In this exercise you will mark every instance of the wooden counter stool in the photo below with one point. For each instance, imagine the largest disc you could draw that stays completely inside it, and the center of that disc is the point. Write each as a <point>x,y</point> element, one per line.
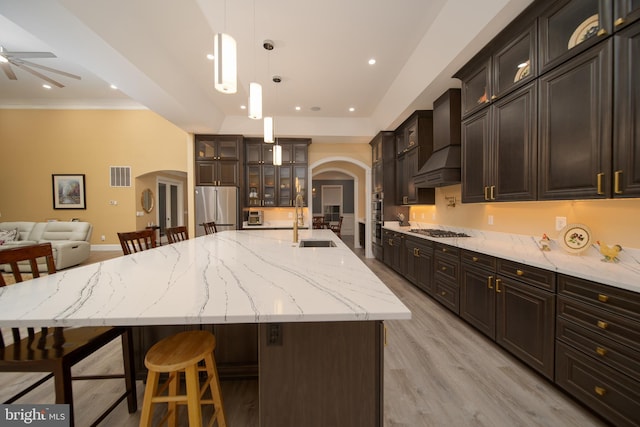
<point>182,353</point>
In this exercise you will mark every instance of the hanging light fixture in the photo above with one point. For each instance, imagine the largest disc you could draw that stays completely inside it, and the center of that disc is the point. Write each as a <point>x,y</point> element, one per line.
<point>225,55</point>
<point>268,129</point>
<point>277,154</point>
<point>255,89</point>
<point>225,60</point>
<point>255,101</point>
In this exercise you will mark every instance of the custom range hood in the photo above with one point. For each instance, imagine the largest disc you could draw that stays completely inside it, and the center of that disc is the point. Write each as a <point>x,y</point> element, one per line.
<point>443,167</point>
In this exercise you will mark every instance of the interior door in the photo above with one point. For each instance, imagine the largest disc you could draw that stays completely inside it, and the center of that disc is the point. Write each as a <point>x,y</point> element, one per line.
<point>169,205</point>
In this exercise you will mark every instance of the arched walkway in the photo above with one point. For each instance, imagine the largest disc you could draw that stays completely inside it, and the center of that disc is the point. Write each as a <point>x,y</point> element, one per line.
<point>315,168</point>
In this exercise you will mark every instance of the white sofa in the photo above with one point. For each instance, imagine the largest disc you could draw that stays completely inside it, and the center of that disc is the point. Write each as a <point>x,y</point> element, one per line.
<point>69,240</point>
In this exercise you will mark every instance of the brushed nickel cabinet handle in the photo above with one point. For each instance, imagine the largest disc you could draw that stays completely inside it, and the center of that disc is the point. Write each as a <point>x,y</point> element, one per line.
<point>493,97</point>
<point>490,282</point>
<point>444,268</point>
<point>600,176</point>
<point>600,391</point>
<point>493,192</point>
<point>444,249</point>
<point>520,272</point>
<point>416,252</point>
<point>498,281</point>
<point>474,259</point>
<point>602,32</point>
<point>443,293</point>
<point>486,192</point>
<point>601,351</point>
<point>602,325</point>
<point>603,298</point>
<point>618,22</point>
<point>385,335</point>
<point>616,182</point>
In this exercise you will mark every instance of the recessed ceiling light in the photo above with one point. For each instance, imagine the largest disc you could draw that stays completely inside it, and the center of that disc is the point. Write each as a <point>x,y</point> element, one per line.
<point>243,107</point>
<point>46,86</point>
<point>210,56</point>
<point>372,61</point>
<point>114,87</point>
<point>298,108</point>
<point>352,109</point>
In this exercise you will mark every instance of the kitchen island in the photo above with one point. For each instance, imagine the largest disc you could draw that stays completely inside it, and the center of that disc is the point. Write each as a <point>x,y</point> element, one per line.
<point>319,312</point>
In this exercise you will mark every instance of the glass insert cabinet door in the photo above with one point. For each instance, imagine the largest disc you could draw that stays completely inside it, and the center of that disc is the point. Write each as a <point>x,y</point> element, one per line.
<point>254,185</point>
<point>269,183</point>
<point>285,196</point>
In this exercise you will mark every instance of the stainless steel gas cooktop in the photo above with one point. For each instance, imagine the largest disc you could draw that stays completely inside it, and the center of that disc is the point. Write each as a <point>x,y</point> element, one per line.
<point>434,232</point>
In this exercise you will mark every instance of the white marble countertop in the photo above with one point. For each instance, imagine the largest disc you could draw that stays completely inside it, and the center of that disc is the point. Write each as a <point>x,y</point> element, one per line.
<point>526,250</point>
<point>227,277</point>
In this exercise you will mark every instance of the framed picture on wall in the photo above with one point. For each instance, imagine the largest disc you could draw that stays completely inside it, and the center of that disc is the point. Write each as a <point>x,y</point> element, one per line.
<point>68,191</point>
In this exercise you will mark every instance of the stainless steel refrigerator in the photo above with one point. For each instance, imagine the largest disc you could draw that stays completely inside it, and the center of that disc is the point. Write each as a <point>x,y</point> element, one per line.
<point>219,204</point>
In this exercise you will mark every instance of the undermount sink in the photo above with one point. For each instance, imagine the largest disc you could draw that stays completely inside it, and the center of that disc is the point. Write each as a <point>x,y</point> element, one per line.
<point>317,244</point>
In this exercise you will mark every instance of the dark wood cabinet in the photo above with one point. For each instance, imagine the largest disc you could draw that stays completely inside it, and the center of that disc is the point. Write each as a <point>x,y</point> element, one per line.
<point>477,292</point>
<point>414,145</point>
<point>269,185</point>
<point>575,127</point>
<point>569,27</point>
<point>446,274</point>
<point>218,159</point>
<point>418,254</point>
<point>626,131</point>
<point>499,150</point>
<point>393,244</point>
<point>625,13</point>
<point>519,314</point>
<point>598,348</point>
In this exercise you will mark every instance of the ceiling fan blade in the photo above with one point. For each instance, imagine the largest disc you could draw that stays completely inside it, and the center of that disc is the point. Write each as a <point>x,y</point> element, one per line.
<point>30,54</point>
<point>37,74</point>
<point>8,71</point>
<point>52,70</point>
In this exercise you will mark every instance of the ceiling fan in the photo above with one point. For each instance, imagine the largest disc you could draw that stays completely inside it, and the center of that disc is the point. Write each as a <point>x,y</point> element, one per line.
<point>18,59</point>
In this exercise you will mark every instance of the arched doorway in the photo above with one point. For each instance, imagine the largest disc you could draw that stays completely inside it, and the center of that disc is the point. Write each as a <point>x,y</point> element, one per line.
<point>329,164</point>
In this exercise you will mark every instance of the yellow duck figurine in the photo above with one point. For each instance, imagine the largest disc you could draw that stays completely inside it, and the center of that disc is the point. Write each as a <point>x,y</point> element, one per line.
<point>610,253</point>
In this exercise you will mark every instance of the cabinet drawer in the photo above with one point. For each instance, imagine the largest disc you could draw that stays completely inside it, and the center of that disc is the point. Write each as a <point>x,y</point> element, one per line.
<point>446,250</point>
<point>608,392</point>
<point>605,350</point>
<point>478,260</point>
<point>610,325</point>
<point>619,301</point>
<point>544,279</point>
<point>446,267</point>
<point>448,294</point>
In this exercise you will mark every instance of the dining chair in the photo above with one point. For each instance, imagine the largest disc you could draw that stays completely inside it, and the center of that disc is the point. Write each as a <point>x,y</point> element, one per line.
<point>337,228</point>
<point>56,350</point>
<point>177,234</point>
<point>137,241</point>
<point>209,227</point>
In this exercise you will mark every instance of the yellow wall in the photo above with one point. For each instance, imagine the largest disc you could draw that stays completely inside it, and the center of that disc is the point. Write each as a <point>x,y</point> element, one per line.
<point>38,143</point>
<point>150,181</point>
<point>610,221</point>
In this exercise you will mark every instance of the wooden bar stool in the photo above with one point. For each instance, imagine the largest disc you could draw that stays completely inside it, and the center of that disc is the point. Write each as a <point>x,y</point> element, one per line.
<point>182,353</point>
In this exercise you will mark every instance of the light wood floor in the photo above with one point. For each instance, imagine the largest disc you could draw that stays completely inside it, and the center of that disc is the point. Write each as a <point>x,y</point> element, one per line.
<point>438,371</point>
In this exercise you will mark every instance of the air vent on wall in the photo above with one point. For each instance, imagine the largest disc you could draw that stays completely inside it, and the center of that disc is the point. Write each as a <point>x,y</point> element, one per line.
<point>121,176</point>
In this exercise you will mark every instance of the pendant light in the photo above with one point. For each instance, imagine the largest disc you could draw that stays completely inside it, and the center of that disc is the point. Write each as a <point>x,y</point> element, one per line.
<point>255,101</point>
<point>255,89</point>
<point>277,154</point>
<point>225,61</point>
<point>225,55</point>
<point>268,129</point>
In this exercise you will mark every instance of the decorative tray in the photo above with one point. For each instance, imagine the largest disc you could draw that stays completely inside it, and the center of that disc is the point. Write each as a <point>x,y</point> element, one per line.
<point>575,238</point>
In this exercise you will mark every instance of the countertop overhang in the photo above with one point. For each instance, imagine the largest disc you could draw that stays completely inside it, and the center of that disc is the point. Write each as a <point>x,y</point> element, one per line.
<point>254,276</point>
<point>526,250</point>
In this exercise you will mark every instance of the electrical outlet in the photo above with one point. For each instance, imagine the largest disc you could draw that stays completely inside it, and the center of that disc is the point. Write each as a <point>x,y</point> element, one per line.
<point>490,219</point>
<point>561,222</point>
<point>103,238</point>
<point>274,334</point>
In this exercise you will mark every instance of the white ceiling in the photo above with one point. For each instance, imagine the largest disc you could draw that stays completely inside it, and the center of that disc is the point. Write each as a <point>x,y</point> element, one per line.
<point>155,52</point>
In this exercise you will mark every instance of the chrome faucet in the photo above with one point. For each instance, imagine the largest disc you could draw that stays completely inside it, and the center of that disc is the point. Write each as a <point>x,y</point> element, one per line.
<point>299,216</point>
